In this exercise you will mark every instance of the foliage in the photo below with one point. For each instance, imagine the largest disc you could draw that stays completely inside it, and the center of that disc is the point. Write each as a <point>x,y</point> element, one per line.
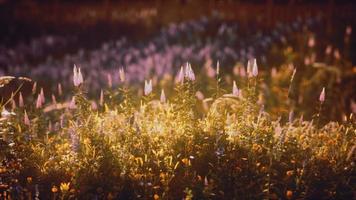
<point>147,149</point>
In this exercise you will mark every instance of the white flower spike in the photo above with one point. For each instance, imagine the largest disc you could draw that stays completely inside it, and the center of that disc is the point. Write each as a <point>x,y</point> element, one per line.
<point>54,100</point>
<point>163,97</point>
<point>5,113</point>
<point>217,68</point>
<point>255,68</point>
<point>26,120</point>
<point>101,101</point>
<point>235,90</point>
<point>43,99</point>
<point>122,74</point>
<point>60,91</point>
<point>72,103</point>
<point>148,87</point>
<point>249,68</point>
<point>21,102</point>
<point>189,73</point>
<point>180,78</point>
<point>39,101</point>
<point>109,80</point>
<point>322,96</point>
<point>80,76</point>
<point>77,76</point>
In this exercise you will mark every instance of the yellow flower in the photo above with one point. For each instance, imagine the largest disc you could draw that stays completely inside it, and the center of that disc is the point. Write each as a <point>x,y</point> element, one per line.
<point>257,148</point>
<point>155,197</point>
<point>54,189</point>
<point>186,161</point>
<point>289,194</point>
<point>289,173</point>
<point>65,187</point>
<point>29,179</point>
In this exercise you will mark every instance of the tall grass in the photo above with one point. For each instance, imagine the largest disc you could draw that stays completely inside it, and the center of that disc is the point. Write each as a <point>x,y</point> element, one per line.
<point>178,147</point>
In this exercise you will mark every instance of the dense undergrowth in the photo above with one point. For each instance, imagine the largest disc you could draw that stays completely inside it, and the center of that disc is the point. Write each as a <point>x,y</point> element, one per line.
<point>179,146</point>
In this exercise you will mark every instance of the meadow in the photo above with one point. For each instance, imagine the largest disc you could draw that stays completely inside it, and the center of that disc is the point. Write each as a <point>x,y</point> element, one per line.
<point>135,121</point>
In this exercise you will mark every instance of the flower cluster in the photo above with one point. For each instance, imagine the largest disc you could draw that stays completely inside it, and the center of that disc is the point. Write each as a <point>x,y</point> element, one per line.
<point>181,146</point>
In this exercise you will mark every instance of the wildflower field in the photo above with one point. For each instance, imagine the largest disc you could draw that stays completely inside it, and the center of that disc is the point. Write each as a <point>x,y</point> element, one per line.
<point>268,115</point>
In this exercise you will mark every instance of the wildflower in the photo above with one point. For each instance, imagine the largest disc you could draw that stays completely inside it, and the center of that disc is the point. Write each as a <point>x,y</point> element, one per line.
<point>39,101</point>
<point>249,68</point>
<point>348,30</point>
<point>122,75</point>
<point>64,187</point>
<point>80,76</point>
<point>199,95</point>
<point>77,76</point>
<point>328,50</point>
<point>180,78</point>
<point>148,87</point>
<point>43,99</point>
<point>101,101</point>
<point>307,61</point>
<point>189,73</point>
<point>26,120</point>
<point>289,194</point>
<point>322,96</point>
<point>109,80</point>
<point>255,68</point>
<point>72,103</point>
<point>29,179</point>
<point>210,71</point>
<point>242,72</point>
<point>289,173</point>
<point>163,97</point>
<point>34,87</point>
<point>61,121</point>
<point>94,106</point>
<point>311,42</point>
<point>5,113</point>
<point>13,104</point>
<point>54,100</point>
<point>235,90</point>
<point>21,103</point>
<point>59,88</point>
<point>291,116</point>
<point>217,68</point>
<point>337,54</point>
<point>206,182</point>
<point>185,161</point>
<point>54,189</point>
<point>74,140</point>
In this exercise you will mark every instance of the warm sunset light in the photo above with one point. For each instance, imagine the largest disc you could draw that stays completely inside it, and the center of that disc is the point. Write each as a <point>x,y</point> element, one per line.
<point>177,99</point>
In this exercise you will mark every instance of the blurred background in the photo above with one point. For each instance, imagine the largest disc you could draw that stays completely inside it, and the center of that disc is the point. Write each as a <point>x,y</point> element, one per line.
<point>152,38</point>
